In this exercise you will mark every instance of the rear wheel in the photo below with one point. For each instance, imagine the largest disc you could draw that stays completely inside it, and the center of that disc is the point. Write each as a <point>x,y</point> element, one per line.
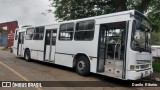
<point>27,55</point>
<point>82,66</point>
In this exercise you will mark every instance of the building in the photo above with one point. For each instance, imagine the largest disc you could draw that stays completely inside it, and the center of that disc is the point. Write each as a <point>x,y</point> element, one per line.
<point>7,37</point>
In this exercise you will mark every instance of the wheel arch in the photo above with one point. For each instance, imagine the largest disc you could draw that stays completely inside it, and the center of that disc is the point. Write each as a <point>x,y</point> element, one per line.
<point>78,55</point>
<point>25,50</point>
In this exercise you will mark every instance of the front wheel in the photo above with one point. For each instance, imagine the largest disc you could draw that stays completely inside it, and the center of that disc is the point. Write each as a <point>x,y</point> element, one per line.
<point>27,56</point>
<point>82,66</point>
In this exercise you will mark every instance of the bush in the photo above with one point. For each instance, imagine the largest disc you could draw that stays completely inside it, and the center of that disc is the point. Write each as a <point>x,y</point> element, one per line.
<point>156,65</point>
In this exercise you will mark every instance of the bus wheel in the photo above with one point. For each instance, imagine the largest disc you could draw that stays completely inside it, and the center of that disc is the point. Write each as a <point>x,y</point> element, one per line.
<point>27,55</point>
<point>82,66</point>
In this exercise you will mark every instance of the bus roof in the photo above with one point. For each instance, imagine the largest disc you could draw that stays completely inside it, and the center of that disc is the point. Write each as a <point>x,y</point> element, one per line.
<point>94,17</point>
<point>21,29</point>
<point>102,16</point>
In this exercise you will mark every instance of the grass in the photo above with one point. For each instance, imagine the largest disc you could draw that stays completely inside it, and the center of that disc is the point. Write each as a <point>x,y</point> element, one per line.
<point>156,65</point>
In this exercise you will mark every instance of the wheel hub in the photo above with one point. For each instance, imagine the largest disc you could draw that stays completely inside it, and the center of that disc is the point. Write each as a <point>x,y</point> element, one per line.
<point>81,65</point>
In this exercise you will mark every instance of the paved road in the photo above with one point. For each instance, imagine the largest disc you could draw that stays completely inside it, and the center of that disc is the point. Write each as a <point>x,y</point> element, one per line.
<point>14,68</point>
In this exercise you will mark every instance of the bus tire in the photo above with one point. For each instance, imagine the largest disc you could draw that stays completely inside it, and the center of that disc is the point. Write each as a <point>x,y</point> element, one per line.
<point>82,66</point>
<point>27,55</point>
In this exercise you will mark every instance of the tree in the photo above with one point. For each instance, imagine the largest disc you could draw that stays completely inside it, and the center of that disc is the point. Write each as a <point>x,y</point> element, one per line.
<point>154,15</point>
<point>1,30</point>
<point>75,9</point>
<point>155,38</point>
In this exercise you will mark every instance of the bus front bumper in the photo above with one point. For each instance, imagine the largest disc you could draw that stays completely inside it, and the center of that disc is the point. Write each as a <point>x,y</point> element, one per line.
<point>134,75</point>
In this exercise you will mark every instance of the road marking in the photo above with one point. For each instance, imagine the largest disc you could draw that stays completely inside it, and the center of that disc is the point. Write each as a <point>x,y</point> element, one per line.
<point>18,74</point>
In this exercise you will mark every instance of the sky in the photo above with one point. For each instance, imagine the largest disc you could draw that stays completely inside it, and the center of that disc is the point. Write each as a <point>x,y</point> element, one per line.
<point>26,12</point>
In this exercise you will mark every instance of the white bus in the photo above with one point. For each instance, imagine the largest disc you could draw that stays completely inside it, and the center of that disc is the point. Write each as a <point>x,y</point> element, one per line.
<point>116,45</point>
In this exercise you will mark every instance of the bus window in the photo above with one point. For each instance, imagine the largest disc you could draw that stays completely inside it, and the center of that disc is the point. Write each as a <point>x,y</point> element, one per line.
<point>39,33</point>
<point>54,34</point>
<point>66,31</point>
<point>84,30</point>
<point>48,38</point>
<point>140,40</point>
<point>21,38</point>
<point>29,33</point>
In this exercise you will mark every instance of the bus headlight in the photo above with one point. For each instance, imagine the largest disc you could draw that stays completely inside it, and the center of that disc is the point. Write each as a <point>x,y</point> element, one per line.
<point>132,67</point>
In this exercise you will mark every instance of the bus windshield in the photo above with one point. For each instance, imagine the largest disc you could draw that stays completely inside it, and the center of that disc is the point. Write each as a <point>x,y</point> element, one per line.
<point>140,40</point>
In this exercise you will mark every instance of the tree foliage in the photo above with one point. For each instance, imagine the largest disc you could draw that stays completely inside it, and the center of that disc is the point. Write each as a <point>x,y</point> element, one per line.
<point>155,38</point>
<point>75,9</point>
<point>154,15</point>
<point>1,30</point>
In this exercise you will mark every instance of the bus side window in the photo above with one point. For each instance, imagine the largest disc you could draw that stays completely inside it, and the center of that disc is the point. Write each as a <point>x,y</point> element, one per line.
<point>66,31</point>
<point>84,30</point>
<point>39,33</point>
<point>29,33</point>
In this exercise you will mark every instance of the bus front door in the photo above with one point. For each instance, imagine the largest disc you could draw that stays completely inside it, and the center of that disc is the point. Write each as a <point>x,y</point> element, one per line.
<point>112,49</point>
<point>20,43</point>
<point>49,47</point>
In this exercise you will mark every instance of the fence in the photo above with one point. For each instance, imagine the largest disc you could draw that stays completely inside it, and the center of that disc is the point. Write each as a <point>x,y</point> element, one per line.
<point>3,39</point>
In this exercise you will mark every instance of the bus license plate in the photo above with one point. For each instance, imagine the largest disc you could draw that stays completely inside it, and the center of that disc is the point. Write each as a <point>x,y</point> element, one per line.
<point>146,72</point>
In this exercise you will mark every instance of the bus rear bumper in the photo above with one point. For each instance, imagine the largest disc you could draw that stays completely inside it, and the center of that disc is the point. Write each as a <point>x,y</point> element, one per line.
<point>134,75</point>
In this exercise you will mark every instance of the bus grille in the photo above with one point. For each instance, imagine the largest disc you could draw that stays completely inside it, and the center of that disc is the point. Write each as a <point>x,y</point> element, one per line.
<point>143,61</point>
<point>144,66</point>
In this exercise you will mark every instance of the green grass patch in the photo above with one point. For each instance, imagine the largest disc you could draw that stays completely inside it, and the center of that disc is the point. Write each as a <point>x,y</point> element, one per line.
<point>156,65</point>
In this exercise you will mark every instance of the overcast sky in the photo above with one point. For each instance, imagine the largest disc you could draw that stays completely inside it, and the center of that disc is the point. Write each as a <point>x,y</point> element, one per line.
<point>26,12</point>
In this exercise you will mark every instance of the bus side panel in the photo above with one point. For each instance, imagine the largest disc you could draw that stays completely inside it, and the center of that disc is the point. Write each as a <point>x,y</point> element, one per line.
<point>36,48</point>
<point>64,59</point>
<point>40,55</point>
<point>93,65</point>
<point>120,18</point>
<point>33,54</point>
<point>94,50</point>
<point>14,47</point>
<point>22,52</point>
<point>65,50</point>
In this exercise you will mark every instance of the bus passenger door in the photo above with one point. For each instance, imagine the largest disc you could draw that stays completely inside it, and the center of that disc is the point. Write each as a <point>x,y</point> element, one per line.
<point>49,47</point>
<point>20,43</point>
<point>112,49</point>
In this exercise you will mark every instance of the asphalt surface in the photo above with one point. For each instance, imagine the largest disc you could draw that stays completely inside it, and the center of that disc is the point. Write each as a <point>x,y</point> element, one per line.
<point>13,68</point>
